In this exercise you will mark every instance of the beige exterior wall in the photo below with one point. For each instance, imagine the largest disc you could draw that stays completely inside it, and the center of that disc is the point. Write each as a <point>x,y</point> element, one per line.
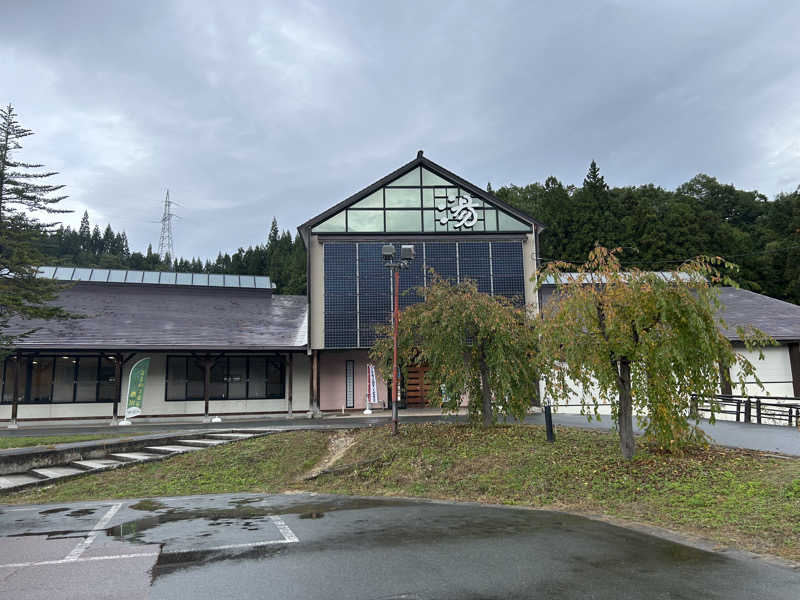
<point>332,375</point>
<point>316,287</point>
<point>154,402</point>
<point>529,266</point>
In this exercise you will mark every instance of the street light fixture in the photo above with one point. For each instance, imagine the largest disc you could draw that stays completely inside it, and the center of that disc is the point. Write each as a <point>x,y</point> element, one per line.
<point>388,253</point>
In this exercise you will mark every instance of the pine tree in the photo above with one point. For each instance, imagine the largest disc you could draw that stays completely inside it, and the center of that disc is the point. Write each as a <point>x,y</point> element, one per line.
<point>85,232</point>
<point>22,193</point>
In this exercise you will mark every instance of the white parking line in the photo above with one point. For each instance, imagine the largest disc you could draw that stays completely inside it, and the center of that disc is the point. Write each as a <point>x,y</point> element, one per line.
<point>288,534</point>
<point>75,556</point>
<point>87,541</point>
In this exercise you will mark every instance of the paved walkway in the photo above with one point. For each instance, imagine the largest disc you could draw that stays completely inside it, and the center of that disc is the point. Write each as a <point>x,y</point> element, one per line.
<point>767,438</point>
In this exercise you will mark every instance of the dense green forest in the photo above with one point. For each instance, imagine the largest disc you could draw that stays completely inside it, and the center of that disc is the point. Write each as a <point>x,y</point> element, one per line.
<point>282,257</point>
<point>659,228</point>
<point>656,228</point>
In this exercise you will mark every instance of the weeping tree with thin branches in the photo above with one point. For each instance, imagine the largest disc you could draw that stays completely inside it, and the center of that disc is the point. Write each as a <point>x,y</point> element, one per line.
<point>25,194</point>
<point>474,346</point>
<point>646,343</point>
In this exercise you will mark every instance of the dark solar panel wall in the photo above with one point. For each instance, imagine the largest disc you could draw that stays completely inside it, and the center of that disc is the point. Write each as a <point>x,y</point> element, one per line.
<point>441,257</point>
<point>507,269</point>
<point>341,329</point>
<point>412,278</point>
<point>358,287</point>
<point>473,261</point>
<point>375,293</point>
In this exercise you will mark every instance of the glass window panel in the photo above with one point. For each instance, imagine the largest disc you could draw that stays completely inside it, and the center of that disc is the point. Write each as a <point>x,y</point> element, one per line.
<point>403,198</point>
<point>200,279</point>
<point>81,274</point>
<point>134,277</point>
<point>428,220</point>
<point>116,276</point>
<point>365,220</point>
<point>374,200</point>
<point>232,281</point>
<point>237,377</point>
<point>490,219</point>
<point>87,379</point>
<point>99,275</point>
<point>403,220</point>
<point>105,376</point>
<point>64,379</point>
<point>150,277</point>
<point>274,377</point>
<point>429,178</point>
<point>176,378</point>
<point>183,279</point>
<point>218,389</point>
<point>168,278</point>
<point>262,283</point>
<point>8,380</point>
<point>41,379</point>
<point>216,280</point>
<point>247,281</point>
<point>508,223</point>
<point>349,384</point>
<point>46,272</point>
<point>410,178</point>
<point>428,201</point>
<point>334,224</point>
<point>257,387</point>
<point>195,387</point>
<point>63,273</point>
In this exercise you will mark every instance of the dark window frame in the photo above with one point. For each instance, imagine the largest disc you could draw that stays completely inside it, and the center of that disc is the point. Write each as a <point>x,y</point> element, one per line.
<point>275,358</point>
<point>26,385</point>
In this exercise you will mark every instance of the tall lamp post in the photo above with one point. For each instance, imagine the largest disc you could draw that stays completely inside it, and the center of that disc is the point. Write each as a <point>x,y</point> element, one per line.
<point>394,265</point>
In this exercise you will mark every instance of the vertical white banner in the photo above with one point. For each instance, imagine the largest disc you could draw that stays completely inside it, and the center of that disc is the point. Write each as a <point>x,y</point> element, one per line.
<point>373,388</point>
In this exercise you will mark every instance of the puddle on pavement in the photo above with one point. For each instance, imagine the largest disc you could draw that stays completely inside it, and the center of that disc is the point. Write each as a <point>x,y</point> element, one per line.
<point>52,511</point>
<point>312,515</point>
<point>81,512</point>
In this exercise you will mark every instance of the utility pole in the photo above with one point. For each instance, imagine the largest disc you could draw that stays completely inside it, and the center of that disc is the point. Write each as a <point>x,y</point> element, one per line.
<point>165,241</point>
<point>389,261</point>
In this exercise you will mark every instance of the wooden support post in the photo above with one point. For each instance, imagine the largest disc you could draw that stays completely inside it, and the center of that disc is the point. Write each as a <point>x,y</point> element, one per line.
<point>206,387</point>
<point>794,362</point>
<point>725,380</point>
<point>117,387</point>
<point>315,404</point>
<point>15,399</point>
<point>289,378</point>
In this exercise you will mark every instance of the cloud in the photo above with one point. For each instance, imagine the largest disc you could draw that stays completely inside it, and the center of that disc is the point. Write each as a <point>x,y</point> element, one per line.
<point>251,110</point>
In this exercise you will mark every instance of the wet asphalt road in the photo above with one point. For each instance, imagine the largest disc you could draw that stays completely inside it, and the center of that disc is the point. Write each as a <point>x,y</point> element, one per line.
<point>310,546</point>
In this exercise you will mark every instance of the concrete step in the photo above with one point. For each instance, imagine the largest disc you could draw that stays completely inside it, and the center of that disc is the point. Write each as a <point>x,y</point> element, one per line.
<point>201,443</point>
<point>133,456</point>
<point>56,472</point>
<point>171,449</point>
<point>97,463</point>
<point>15,479</point>
<point>230,436</point>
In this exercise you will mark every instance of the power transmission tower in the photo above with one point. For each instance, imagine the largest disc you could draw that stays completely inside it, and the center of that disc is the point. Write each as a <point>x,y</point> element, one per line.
<point>165,241</point>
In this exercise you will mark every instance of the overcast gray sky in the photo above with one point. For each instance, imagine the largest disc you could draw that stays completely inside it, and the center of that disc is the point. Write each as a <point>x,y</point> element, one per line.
<point>246,110</point>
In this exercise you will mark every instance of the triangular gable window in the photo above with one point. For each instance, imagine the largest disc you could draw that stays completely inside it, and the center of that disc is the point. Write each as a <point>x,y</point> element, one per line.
<point>421,201</point>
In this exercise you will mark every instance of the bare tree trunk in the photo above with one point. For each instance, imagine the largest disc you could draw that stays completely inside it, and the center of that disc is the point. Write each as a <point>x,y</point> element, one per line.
<point>486,395</point>
<point>626,442</point>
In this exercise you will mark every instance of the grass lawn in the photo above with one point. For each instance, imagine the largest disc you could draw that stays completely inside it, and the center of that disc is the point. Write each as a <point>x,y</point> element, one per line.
<point>739,498</point>
<point>49,440</point>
